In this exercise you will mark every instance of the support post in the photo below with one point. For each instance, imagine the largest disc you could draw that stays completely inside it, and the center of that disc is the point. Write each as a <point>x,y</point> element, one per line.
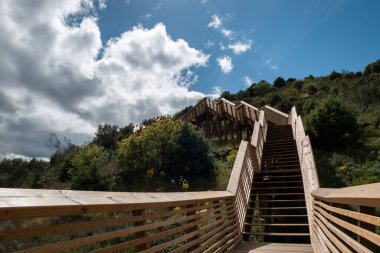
<point>140,234</point>
<point>220,130</point>
<point>225,130</point>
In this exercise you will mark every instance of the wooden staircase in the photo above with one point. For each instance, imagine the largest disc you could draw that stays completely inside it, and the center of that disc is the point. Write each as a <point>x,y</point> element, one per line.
<point>277,210</point>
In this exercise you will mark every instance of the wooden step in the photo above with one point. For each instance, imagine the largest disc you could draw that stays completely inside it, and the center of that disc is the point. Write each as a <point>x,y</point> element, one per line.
<point>277,224</point>
<point>279,182</point>
<point>273,142</point>
<point>287,176</point>
<point>281,194</point>
<point>284,152</point>
<point>278,188</point>
<point>282,165</point>
<point>281,144</point>
<point>274,161</point>
<point>279,171</point>
<point>270,247</point>
<point>281,200</point>
<point>293,155</point>
<point>277,215</point>
<point>277,234</point>
<point>279,208</point>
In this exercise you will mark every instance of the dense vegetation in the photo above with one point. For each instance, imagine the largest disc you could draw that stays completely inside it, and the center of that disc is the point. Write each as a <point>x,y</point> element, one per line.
<point>341,113</point>
<point>166,156</point>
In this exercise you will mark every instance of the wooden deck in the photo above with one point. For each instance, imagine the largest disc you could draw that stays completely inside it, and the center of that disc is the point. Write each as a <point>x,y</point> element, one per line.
<point>266,247</point>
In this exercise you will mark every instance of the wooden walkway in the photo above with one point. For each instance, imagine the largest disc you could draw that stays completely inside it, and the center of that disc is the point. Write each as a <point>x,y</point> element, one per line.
<point>267,247</point>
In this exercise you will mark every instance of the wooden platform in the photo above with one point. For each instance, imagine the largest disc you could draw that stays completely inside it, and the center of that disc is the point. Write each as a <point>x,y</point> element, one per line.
<point>267,247</point>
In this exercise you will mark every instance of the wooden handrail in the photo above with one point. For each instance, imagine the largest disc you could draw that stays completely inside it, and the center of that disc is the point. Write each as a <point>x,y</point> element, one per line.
<point>362,195</point>
<point>117,220</point>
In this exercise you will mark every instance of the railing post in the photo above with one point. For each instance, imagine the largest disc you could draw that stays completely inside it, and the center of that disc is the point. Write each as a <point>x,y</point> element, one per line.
<point>140,234</point>
<point>370,227</point>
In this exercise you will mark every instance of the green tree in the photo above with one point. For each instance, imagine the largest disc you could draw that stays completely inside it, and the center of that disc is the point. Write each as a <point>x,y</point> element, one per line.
<point>108,136</point>
<point>90,169</point>
<point>331,125</point>
<point>372,68</point>
<point>163,154</point>
<point>260,89</point>
<point>279,82</point>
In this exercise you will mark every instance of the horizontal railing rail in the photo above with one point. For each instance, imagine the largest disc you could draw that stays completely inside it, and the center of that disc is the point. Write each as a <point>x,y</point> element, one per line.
<point>54,221</point>
<point>346,219</point>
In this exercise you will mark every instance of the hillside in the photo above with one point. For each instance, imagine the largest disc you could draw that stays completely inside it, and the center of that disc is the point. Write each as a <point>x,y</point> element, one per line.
<point>341,113</point>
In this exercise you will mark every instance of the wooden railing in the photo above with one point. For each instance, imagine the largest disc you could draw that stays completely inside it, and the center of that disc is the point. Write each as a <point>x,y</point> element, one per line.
<point>340,220</point>
<point>223,109</point>
<point>307,165</point>
<point>240,183</point>
<point>259,138</point>
<point>78,221</point>
<point>275,116</point>
<point>345,220</point>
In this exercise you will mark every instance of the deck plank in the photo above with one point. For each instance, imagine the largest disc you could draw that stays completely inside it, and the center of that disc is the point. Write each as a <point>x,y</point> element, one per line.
<point>266,247</point>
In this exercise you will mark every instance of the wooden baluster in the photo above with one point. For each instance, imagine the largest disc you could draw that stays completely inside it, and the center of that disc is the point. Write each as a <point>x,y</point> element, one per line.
<point>370,227</point>
<point>141,234</point>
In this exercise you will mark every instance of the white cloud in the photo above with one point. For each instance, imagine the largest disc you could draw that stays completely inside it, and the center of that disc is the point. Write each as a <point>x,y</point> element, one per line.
<point>274,67</point>
<point>225,64</point>
<point>240,47</point>
<point>209,44</point>
<point>268,60</point>
<point>203,1</point>
<point>222,47</point>
<point>102,4</point>
<point>148,15</point>
<point>216,92</point>
<point>216,22</point>
<point>227,33</point>
<point>247,80</point>
<point>52,80</point>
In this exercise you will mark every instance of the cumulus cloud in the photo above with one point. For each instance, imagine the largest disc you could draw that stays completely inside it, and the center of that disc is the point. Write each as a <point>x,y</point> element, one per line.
<point>268,60</point>
<point>225,64</point>
<point>247,80</point>
<point>240,47</point>
<point>56,75</point>
<point>216,92</point>
<point>227,33</point>
<point>274,67</point>
<point>216,22</point>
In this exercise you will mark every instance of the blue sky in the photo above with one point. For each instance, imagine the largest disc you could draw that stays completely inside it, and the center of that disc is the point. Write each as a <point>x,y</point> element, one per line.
<point>290,38</point>
<point>68,66</point>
